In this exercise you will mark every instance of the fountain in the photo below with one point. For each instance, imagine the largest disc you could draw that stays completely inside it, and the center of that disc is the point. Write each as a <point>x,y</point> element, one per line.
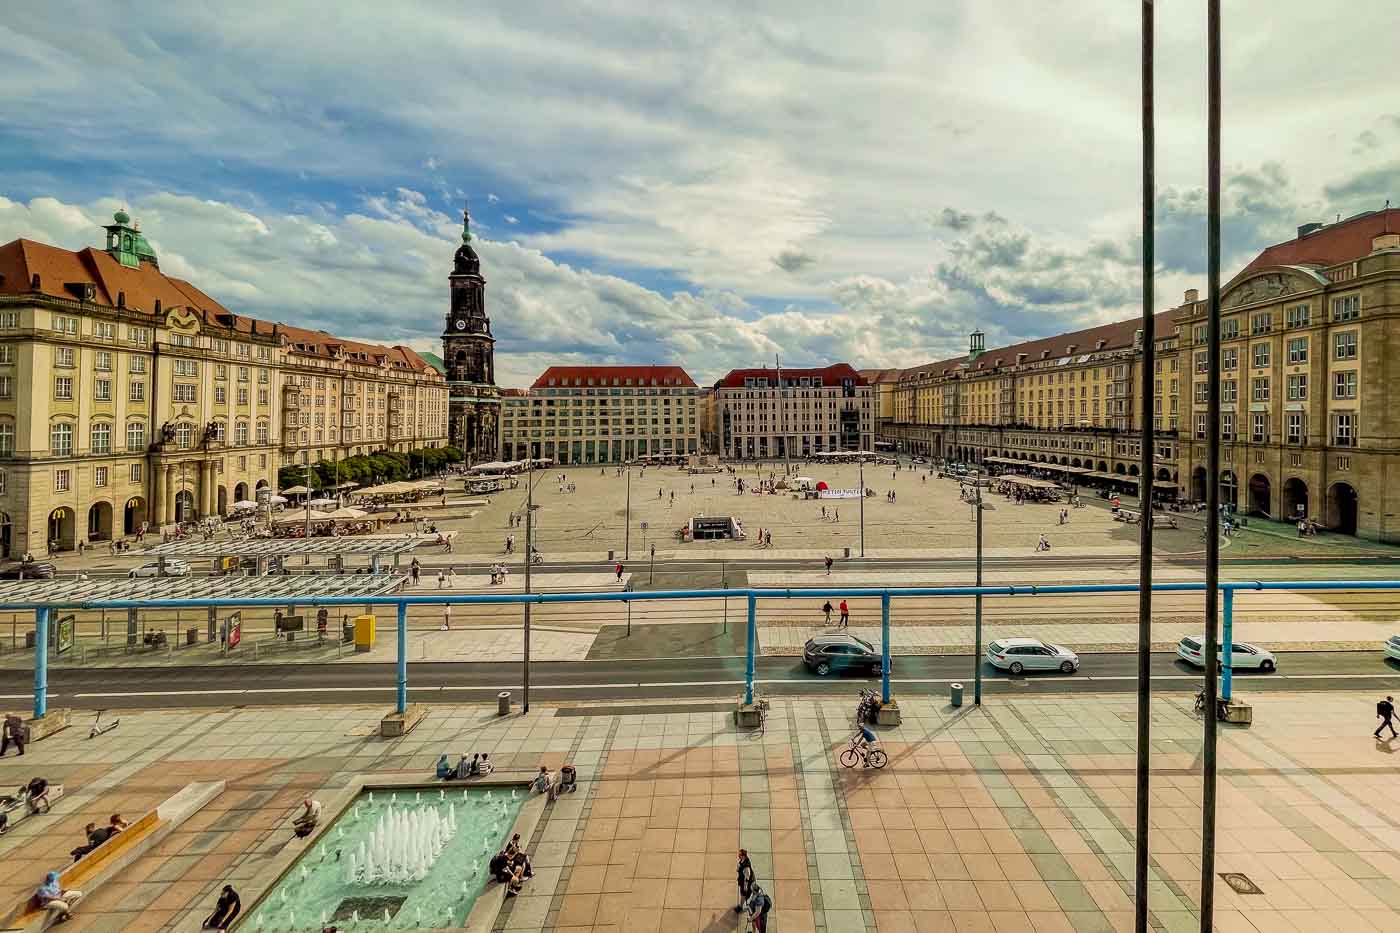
<point>410,859</point>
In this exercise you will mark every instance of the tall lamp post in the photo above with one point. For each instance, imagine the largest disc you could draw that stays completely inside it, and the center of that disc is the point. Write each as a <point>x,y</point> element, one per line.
<point>529,559</point>
<point>977,508</point>
<point>862,506</point>
<point>627,517</point>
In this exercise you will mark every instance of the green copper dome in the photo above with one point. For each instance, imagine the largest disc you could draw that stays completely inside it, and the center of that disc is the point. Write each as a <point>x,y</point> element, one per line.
<point>122,217</point>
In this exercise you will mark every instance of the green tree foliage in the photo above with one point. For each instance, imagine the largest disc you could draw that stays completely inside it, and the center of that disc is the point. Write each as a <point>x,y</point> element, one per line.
<point>383,466</point>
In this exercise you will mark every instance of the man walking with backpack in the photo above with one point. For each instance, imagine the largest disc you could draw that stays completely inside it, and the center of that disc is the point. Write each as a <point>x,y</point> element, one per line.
<point>746,880</point>
<point>759,905</point>
<point>1385,711</point>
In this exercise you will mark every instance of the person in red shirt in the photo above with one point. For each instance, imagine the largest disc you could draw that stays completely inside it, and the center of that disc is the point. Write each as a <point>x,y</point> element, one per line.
<point>618,571</point>
<point>845,614</point>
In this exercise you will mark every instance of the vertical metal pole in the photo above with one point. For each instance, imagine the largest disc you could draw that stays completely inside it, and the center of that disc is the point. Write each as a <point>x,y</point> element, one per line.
<point>1208,760</point>
<point>41,663</point>
<point>885,647</point>
<point>1142,833</point>
<point>752,648</point>
<point>977,624</point>
<point>862,507</point>
<point>627,532</point>
<point>1227,611</point>
<point>724,585</point>
<point>401,702</point>
<point>529,559</point>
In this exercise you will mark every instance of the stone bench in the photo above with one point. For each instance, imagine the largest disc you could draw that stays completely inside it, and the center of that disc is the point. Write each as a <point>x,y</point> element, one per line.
<point>22,812</point>
<point>107,861</point>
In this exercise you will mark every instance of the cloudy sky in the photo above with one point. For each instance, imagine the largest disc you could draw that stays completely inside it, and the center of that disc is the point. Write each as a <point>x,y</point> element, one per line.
<point>702,184</point>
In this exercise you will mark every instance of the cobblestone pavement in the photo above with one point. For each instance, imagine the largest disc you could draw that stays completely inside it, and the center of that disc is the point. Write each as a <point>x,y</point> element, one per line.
<point>1014,817</point>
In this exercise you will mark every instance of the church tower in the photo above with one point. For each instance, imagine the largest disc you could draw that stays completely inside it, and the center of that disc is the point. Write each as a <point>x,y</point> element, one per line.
<point>468,352</point>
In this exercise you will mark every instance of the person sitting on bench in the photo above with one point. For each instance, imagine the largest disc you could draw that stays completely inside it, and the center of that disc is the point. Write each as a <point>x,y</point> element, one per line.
<point>37,793</point>
<point>445,769</point>
<point>96,835</point>
<point>51,897</point>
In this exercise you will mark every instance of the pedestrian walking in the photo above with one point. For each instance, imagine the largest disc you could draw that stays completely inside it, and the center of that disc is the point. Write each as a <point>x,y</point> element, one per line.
<point>442,579</point>
<point>823,513</point>
<point>1385,710</point>
<point>14,734</point>
<point>828,565</point>
<point>1043,544</point>
<point>837,515</point>
<point>845,614</point>
<point>451,578</point>
<point>746,880</point>
<point>768,539</point>
<point>759,906</point>
<point>447,617</point>
<point>826,612</point>
<point>618,570</point>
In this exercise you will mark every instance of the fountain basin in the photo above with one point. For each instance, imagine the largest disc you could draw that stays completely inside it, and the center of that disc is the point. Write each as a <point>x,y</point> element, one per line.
<point>397,857</point>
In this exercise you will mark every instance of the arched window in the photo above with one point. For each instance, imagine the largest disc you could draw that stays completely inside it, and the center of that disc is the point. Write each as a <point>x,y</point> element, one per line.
<point>136,436</point>
<point>61,439</point>
<point>101,437</point>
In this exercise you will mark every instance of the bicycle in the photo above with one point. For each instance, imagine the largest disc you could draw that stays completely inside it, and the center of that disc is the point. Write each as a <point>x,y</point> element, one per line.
<point>856,751</point>
<point>761,704</point>
<point>1221,705</point>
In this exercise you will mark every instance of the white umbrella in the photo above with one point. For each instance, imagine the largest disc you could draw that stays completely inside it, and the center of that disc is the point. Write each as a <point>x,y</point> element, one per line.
<point>348,513</point>
<point>297,491</point>
<point>276,499</point>
<point>318,503</point>
<point>291,518</point>
<point>245,504</point>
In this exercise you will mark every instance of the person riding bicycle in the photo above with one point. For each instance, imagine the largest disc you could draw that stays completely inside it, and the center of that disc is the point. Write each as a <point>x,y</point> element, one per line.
<point>866,741</point>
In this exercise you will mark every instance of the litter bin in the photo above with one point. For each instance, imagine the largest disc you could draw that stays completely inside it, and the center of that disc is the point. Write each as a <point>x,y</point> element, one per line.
<point>503,703</point>
<point>956,694</point>
<point>364,633</point>
<point>191,636</point>
<point>610,555</point>
<point>847,552</point>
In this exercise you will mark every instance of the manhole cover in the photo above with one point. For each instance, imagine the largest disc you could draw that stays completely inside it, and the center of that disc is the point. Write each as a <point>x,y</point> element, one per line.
<point>1240,883</point>
<point>368,908</point>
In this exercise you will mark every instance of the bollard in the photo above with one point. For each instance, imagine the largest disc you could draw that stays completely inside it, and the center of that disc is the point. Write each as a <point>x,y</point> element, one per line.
<point>956,695</point>
<point>503,703</point>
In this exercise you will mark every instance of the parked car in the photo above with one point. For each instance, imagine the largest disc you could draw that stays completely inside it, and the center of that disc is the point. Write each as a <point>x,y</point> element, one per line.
<point>1190,649</point>
<point>174,567</point>
<point>1392,647</point>
<point>1019,655</point>
<point>28,570</point>
<point>836,652</point>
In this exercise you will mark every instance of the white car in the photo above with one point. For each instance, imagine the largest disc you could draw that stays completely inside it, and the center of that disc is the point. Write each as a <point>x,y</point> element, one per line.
<point>174,567</point>
<point>1392,647</point>
<point>1190,649</point>
<point>1018,655</point>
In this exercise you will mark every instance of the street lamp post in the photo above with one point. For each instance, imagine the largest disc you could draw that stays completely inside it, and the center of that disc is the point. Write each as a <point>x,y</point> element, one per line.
<point>977,619</point>
<point>862,507</point>
<point>529,558</point>
<point>627,519</point>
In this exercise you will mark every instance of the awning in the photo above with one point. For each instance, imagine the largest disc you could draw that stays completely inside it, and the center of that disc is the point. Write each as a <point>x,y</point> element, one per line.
<point>1029,483</point>
<point>1117,477</point>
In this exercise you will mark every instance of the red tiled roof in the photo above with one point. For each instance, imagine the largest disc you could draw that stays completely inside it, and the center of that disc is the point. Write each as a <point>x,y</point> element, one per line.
<point>1333,244</point>
<point>21,260</point>
<point>573,376</point>
<point>830,375</point>
<point>1115,336</point>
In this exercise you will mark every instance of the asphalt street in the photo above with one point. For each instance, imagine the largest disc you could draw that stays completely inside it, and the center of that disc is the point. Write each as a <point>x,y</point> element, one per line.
<point>712,678</point>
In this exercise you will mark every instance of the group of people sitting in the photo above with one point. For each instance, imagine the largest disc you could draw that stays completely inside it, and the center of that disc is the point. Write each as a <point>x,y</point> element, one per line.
<point>511,867</point>
<point>307,820</point>
<point>96,835</point>
<point>551,784</point>
<point>34,794</point>
<point>479,764</point>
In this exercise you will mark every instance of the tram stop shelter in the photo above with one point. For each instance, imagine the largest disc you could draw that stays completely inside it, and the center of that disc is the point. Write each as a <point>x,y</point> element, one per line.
<point>48,599</point>
<point>259,556</point>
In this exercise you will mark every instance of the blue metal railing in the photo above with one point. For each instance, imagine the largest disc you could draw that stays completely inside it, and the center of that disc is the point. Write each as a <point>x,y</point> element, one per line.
<point>43,612</point>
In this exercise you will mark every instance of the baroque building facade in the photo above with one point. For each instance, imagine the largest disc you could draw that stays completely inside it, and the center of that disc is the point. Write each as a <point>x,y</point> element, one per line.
<point>469,356</point>
<point>1310,342</point>
<point>772,413</point>
<point>129,397</point>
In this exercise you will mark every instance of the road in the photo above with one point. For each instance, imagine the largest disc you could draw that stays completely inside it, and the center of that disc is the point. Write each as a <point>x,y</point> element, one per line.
<point>715,678</point>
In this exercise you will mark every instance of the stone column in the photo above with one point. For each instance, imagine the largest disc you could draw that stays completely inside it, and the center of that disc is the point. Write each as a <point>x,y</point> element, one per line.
<point>160,489</point>
<point>206,488</point>
<point>167,499</point>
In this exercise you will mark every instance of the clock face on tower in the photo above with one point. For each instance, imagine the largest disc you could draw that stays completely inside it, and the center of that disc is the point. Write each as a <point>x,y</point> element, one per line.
<point>461,324</point>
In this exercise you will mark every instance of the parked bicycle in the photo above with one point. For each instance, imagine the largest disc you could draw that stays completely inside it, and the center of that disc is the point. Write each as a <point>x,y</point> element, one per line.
<point>1221,705</point>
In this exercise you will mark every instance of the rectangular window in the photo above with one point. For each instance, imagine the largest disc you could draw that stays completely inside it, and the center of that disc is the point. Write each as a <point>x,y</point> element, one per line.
<point>183,392</point>
<point>136,364</point>
<point>1229,391</point>
<point>1227,426</point>
<point>1344,385</point>
<point>262,396</point>
<point>220,395</point>
<point>136,436</point>
<point>1296,433</point>
<point>1298,388</point>
<point>1229,329</point>
<point>1346,309</point>
<point>1202,363</point>
<point>135,475</point>
<point>1259,427</point>
<point>7,387</point>
<point>1344,429</point>
<point>104,330</point>
<point>102,390</point>
<point>1262,323</point>
<point>1200,427</point>
<point>7,353</point>
<point>99,476</point>
<point>1230,359</point>
<point>9,319</point>
<point>62,480</point>
<point>138,391</point>
<point>65,325</point>
<point>1259,389</point>
<point>63,356</point>
<point>7,439</point>
<point>242,395</point>
<point>1297,316</point>
<point>220,371</point>
<point>1260,352</point>
<point>187,367</point>
<point>63,387</point>
<point>101,438</point>
<point>181,340</point>
<point>1298,350</point>
<point>61,439</point>
<point>138,335</point>
<point>1344,345</point>
<point>262,376</point>
<point>243,374</point>
<point>1202,390</point>
<point>103,361</point>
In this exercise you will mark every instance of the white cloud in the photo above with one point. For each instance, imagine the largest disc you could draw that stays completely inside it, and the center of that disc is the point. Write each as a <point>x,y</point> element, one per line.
<point>511,220</point>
